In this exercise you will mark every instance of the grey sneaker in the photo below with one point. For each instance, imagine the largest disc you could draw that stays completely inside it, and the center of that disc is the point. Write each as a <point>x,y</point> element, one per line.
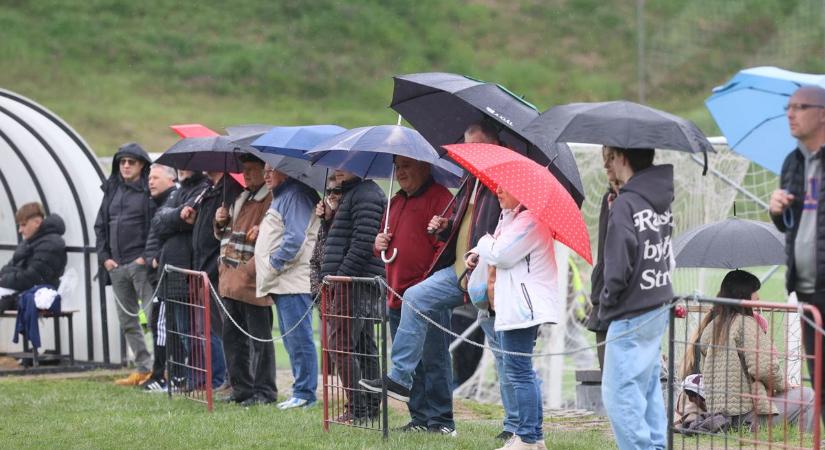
<point>443,429</point>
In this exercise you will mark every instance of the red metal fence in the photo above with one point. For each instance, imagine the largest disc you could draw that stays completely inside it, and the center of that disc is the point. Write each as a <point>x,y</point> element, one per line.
<point>353,346</point>
<point>186,295</point>
<point>756,389</point>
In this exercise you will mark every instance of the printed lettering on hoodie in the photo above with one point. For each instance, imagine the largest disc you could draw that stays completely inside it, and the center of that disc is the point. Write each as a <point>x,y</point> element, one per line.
<point>657,250</point>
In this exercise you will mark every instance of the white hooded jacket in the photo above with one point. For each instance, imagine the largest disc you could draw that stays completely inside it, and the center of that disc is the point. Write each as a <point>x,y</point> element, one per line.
<point>526,290</point>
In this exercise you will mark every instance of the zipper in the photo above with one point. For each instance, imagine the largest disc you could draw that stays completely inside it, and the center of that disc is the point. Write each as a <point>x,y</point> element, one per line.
<point>527,258</point>
<point>527,299</point>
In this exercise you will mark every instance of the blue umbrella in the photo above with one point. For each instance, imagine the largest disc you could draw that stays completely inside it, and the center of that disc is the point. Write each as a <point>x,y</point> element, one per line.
<point>294,141</point>
<point>368,152</point>
<point>749,110</point>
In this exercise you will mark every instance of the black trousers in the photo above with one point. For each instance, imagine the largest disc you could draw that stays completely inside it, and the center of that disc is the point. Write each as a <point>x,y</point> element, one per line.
<point>808,338</point>
<point>250,363</point>
<point>8,302</point>
<point>159,363</point>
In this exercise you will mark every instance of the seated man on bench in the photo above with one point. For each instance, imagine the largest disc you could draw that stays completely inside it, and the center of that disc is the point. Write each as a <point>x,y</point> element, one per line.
<point>40,258</point>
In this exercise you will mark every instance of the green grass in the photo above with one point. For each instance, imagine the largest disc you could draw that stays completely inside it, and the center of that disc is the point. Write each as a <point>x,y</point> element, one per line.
<point>93,413</point>
<point>119,70</point>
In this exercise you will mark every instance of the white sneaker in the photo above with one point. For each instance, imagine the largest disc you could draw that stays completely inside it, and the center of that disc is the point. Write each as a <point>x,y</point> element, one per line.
<point>295,403</point>
<point>515,443</point>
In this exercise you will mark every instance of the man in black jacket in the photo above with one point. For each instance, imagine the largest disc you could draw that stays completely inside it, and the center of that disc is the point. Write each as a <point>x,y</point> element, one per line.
<point>40,258</point>
<point>348,252</point>
<point>794,207</point>
<point>199,212</point>
<point>638,260</point>
<point>122,229</point>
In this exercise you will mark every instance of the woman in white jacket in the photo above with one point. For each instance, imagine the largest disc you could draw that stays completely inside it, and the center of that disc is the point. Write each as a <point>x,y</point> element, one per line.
<point>525,296</point>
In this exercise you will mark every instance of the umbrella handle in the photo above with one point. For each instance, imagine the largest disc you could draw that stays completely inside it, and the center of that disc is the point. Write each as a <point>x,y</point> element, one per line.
<point>391,258</point>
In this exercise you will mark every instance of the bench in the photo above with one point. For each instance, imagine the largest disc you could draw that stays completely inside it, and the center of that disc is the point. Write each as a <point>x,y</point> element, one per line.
<point>50,355</point>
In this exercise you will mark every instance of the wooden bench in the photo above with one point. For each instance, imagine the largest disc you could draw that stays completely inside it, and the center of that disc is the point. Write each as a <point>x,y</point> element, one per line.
<point>47,354</point>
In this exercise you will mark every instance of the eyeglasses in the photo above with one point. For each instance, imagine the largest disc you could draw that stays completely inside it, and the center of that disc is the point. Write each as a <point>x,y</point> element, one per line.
<point>801,106</point>
<point>128,162</point>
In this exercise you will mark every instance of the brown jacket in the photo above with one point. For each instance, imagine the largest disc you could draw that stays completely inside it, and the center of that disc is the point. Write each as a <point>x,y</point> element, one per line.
<point>237,263</point>
<point>727,388</point>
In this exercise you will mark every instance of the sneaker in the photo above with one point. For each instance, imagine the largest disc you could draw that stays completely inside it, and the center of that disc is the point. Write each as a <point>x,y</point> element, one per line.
<point>154,386</point>
<point>443,429</point>
<point>515,443</point>
<point>134,379</point>
<point>540,445</point>
<point>223,389</point>
<point>394,390</point>
<point>504,435</point>
<point>411,427</point>
<point>346,418</point>
<point>295,403</point>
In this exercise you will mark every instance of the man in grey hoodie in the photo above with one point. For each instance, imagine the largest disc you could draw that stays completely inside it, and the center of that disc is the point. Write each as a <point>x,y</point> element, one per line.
<point>122,229</point>
<point>637,265</point>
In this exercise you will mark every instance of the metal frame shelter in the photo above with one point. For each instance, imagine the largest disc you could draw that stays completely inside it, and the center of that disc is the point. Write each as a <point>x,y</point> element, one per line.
<point>43,159</point>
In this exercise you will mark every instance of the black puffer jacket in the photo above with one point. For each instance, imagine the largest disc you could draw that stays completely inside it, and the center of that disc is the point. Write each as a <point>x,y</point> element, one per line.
<point>597,276</point>
<point>205,248</point>
<point>792,180</point>
<point>173,234</point>
<point>348,247</point>
<point>129,242</point>
<point>40,259</point>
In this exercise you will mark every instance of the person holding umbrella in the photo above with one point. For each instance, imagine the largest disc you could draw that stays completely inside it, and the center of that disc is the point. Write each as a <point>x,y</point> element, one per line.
<point>284,247</point>
<point>794,206</point>
<point>411,208</point>
<point>637,265</point>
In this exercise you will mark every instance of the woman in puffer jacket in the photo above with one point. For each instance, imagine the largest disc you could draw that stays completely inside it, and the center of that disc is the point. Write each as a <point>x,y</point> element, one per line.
<point>525,296</point>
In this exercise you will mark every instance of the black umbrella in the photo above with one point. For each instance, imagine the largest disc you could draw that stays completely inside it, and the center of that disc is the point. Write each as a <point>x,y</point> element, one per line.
<point>730,244</point>
<point>212,154</point>
<point>620,124</point>
<point>442,105</point>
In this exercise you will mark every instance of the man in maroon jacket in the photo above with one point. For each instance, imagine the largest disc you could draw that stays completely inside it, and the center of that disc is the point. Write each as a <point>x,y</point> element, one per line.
<point>411,208</point>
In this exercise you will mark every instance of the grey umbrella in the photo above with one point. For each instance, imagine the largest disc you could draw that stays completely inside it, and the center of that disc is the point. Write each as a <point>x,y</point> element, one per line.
<point>620,124</point>
<point>730,244</point>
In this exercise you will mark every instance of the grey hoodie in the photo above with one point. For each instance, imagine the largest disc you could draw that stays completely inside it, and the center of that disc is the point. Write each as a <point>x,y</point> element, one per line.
<point>637,249</point>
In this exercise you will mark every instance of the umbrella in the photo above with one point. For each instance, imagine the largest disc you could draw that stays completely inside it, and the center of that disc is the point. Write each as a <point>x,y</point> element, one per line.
<point>368,152</point>
<point>749,110</point>
<point>620,124</point>
<point>442,105</point>
<point>214,154</point>
<point>730,244</point>
<point>297,168</point>
<point>193,130</point>
<point>294,141</point>
<point>532,185</point>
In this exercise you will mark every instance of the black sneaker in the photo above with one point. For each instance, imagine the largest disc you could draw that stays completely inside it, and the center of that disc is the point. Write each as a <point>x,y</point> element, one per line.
<point>442,429</point>
<point>155,386</point>
<point>412,427</point>
<point>394,390</point>
<point>504,435</point>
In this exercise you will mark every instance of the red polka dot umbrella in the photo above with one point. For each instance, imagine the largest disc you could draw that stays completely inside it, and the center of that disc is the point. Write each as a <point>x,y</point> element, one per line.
<point>532,185</point>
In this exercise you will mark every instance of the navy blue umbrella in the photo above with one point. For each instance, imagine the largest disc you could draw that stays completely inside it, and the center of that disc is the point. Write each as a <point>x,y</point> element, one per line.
<point>294,141</point>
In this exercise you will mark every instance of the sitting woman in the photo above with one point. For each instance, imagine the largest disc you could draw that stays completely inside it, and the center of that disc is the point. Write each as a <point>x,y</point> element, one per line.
<point>743,378</point>
<point>520,253</point>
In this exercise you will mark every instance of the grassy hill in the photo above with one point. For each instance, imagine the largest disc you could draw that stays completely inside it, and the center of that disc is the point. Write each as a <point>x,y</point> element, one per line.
<point>122,70</point>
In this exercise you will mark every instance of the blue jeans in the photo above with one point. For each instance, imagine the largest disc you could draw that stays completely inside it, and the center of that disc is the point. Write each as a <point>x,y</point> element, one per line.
<point>631,390</point>
<point>520,373</point>
<point>218,360</point>
<point>508,395</point>
<point>431,396</point>
<point>438,293</point>
<point>299,343</point>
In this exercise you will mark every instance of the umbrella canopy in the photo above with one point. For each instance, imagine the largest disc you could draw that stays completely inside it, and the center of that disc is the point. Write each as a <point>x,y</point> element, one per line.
<point>442,105</point>
<point>368,152</point>
<point>730,244</point>
<point>618,124</point>
<point>749,110</point>
<point>194,130</point>
<point>532,185</point>
<point>215,154</point>
<point>294,141</point>
<point>298,168</point>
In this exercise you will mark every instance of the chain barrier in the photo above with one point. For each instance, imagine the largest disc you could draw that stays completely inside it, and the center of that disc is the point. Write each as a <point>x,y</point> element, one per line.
<point>662,310</point>
<point>143,303</point>
<point>219,301</point>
